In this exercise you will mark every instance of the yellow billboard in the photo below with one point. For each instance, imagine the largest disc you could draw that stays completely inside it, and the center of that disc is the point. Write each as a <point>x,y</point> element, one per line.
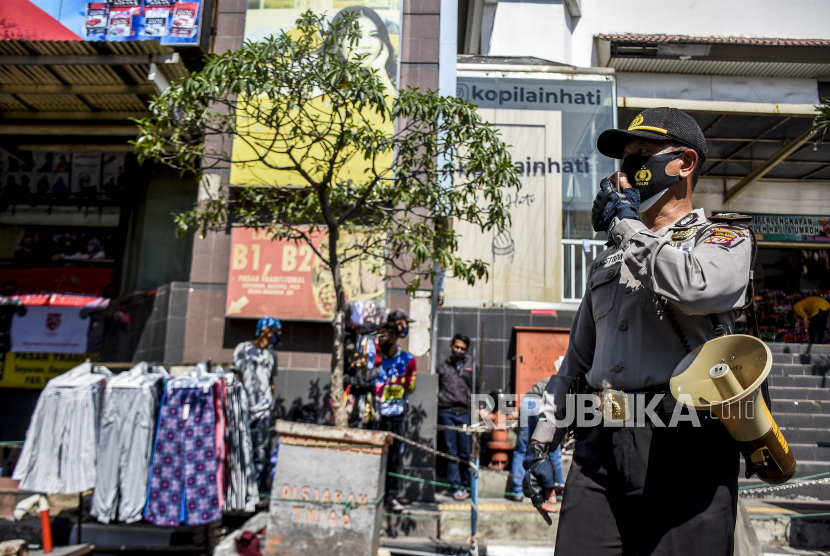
<point>258,159</point>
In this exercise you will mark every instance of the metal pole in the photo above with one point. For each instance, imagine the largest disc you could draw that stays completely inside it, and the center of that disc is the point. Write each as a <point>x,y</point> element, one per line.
<point>475,439</point>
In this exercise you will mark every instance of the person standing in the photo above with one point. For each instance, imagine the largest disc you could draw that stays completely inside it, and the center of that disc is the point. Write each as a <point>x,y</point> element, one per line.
<point>813,311</point>
<point>393,382</point>
<point>670,280</point>
<point>256,361</point>
<point>455,379</point>
<point>528,418</point>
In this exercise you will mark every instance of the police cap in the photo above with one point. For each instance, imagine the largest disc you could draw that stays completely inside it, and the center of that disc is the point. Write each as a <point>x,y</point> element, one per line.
<point>655,124</point>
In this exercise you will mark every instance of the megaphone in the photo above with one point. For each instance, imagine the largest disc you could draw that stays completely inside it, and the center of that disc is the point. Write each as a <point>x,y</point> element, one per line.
<point>724,375</point>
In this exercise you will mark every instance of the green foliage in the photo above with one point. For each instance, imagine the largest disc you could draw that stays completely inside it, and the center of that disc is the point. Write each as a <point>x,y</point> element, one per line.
<point>296,105</point>
<point>822,118</point>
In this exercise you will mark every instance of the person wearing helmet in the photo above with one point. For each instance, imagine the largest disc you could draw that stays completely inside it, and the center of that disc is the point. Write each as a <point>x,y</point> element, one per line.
<point>256,361</point>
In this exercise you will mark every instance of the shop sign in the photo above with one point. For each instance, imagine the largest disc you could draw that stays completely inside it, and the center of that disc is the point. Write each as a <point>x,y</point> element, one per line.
<point>287,280</point>
<point>54,329</point>
<point>785,228</point>
<point>34,370</point>
<point>173,22</point>
<point>550,124</point>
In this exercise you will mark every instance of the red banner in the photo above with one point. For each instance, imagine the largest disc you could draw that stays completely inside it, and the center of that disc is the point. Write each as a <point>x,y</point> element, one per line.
<point>287,280</point>
<point>66,280</point>
<point>21,19</point>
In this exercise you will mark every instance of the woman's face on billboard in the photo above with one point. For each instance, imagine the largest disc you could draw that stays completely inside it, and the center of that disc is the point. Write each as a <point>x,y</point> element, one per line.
<point>369,45</point>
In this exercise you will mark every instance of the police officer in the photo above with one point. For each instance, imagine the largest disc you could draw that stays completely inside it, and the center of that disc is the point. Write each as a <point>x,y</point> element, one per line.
<point>670,280</point>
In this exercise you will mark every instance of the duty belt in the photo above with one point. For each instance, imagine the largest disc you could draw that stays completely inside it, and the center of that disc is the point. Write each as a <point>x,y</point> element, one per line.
<point>614,404</point>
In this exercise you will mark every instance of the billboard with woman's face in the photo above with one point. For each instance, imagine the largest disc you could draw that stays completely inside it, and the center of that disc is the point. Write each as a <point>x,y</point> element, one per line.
<point>379,47</point>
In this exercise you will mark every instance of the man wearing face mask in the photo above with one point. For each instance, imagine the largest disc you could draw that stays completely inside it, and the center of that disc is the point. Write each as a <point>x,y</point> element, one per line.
<point>455,379</point>
<point>393,382</point>
<point>401,321</point>
<point>670,280</point>
<point>256,361</point>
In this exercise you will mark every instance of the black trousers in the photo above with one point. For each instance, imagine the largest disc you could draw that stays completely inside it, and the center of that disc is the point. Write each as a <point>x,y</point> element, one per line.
<point>394,460</point>
<point>651,491</point>
<point>817,327</point>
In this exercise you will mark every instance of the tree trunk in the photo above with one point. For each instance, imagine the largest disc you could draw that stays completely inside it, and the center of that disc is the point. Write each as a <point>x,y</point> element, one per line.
<point>338,405</point>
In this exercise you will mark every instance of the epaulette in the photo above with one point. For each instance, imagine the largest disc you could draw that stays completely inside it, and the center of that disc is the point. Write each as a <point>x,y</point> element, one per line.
<point>730,218</point>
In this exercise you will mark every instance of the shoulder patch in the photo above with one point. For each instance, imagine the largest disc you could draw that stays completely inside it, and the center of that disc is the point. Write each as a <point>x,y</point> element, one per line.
<point>727,230</point>
<point>720,240</point>
<point>730,217</point>
<point>686,221</point>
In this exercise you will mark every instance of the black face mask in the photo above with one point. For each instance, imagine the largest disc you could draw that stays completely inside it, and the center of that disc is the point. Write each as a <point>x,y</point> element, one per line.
<point>456,355</point>
<point>648,174</point>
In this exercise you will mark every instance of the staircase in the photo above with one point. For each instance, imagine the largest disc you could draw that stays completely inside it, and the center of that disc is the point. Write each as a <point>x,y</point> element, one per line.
<point>800,391</point>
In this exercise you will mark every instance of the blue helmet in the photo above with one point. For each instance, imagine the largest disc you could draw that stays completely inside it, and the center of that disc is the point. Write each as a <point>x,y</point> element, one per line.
<point>268,322</point>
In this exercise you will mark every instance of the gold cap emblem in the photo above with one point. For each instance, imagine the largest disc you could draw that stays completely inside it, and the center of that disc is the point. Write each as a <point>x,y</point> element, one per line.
<point>637,121</point>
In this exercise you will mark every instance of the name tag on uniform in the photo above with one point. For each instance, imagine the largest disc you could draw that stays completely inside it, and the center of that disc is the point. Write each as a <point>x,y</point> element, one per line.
<point>612,260</point>
<point>185,412</point>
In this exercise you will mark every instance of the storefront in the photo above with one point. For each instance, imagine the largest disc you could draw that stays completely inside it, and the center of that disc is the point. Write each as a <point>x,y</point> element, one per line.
<point>84,228</point>
<point>792,264</point>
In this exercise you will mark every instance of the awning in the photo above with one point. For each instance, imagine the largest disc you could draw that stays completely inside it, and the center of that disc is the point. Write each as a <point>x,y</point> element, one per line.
<point>752,147</point>
<point>746,56</point>
<point>80,90</point>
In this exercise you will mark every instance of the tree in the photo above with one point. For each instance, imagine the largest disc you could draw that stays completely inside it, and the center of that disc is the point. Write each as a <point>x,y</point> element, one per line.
<point>821,121</point>
<point>324,145</point>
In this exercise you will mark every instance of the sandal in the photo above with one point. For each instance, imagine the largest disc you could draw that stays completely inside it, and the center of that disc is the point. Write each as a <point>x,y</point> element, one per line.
<point>461,494</point>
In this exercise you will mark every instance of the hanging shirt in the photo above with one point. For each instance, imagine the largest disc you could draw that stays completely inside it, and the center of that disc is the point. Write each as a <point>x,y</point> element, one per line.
<point>258,368</point>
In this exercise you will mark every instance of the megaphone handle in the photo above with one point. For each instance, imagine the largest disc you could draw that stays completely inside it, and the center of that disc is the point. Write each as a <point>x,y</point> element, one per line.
<point>674,324</point>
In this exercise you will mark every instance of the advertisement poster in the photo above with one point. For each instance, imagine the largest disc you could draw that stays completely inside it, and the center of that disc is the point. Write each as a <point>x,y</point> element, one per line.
<point>167,21</point>
<point>380,23</point>
<point>34,370</point>
<point>523,258</point>
<point>784,228</point>
<point>286,280</point>
<point>86,174</point>
<point>50,329</point>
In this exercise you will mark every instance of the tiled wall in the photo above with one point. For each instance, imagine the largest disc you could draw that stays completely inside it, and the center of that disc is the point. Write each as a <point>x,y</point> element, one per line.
<point>305,345</point>
<point>499,337</point>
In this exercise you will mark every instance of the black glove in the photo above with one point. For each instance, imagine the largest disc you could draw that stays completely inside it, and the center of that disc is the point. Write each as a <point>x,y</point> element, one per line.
<point>539,473</point>
<point>609,203</point>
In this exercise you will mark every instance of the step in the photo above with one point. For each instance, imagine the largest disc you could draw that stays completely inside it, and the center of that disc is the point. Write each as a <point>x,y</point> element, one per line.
<point>800,381</point>
<point>810,451</point>
<point>821,407</point>
<point>800,420</point>
<point>792,369</point>
<point>808,349</point>
<point>796,393</point>
<point>818,359</point>
<point>806,436</point>
<point>507,520</point>
<point>805,468</point>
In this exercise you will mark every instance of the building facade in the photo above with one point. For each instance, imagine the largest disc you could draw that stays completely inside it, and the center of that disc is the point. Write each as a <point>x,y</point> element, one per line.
<point>750,78</point>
